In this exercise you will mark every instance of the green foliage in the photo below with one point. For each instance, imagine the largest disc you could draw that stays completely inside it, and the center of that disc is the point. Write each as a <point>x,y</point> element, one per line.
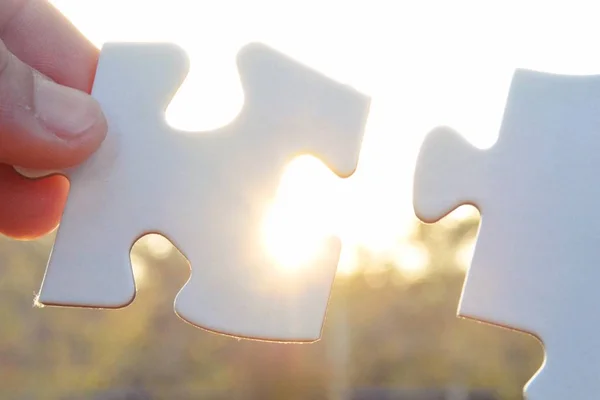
<point>382,329</point>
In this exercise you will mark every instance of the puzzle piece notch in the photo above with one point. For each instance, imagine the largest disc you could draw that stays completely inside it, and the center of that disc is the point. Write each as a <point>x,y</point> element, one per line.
<point>205,191</point>
<point>535,263</point>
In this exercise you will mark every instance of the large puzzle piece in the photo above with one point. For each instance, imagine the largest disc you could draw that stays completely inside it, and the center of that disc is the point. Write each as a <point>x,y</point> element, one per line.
<point>537,257</point>
<point>205,191</point>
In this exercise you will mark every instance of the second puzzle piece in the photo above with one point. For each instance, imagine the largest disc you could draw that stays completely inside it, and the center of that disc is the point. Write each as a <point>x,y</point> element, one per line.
<point>537,257</point>
<point>205,191</point>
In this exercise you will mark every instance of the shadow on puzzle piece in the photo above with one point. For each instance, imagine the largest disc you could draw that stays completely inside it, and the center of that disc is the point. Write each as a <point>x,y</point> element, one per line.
<point>205,191</point>
<point>537,257</point>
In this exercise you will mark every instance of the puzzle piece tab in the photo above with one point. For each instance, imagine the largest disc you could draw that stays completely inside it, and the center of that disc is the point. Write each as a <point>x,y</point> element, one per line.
<point>205,191</point>
<point>537,257</point>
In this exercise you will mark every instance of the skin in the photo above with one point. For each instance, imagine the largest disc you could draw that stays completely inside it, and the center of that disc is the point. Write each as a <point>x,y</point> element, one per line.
<point>36,39</point>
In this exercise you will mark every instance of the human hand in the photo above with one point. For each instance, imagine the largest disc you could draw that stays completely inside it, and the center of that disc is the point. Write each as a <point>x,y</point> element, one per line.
<point>48,120</point>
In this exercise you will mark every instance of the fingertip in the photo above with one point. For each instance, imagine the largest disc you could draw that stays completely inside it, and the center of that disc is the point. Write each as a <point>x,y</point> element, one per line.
<point>41,36</point>
<point>30,208</point>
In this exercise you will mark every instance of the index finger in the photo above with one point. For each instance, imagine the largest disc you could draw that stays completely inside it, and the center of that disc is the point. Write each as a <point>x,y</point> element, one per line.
<point>38,34</point>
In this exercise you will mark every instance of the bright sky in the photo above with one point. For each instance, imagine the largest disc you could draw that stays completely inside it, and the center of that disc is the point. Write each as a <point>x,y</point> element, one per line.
<point>423,63</point>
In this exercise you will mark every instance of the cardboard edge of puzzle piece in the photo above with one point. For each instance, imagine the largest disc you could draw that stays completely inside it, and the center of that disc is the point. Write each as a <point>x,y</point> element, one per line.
<point>123,292</point>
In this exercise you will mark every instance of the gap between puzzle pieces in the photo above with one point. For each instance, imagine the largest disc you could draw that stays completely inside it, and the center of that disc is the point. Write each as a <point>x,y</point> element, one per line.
<point>204,191</point>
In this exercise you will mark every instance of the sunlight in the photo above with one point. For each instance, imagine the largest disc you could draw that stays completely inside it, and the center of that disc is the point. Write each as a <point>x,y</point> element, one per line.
<point>302,216</point>
<point>290,240</point>
<point>463,212</point>
<point>411,260</point>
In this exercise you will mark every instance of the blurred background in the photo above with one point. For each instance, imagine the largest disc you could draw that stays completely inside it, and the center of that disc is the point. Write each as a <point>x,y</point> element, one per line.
<point>387,336</point>
<point>391,331</point>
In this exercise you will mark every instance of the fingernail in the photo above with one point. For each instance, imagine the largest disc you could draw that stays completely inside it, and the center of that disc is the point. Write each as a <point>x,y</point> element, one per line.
<point>65,111</point>
<point>34,173</point>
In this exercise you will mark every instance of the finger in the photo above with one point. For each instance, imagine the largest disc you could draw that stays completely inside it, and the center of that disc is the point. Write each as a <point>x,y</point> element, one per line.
<point>42,38</point>
<point>38,34</point>
<point>30,209</point>
<point>44,125</point>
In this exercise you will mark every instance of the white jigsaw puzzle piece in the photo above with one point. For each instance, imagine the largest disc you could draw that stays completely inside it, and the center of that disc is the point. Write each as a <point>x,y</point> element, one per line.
<point>205,191</point>
<point>537,257</point>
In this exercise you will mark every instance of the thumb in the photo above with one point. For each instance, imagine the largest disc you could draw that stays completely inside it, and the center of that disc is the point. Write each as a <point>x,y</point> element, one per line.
<point>44,125</point>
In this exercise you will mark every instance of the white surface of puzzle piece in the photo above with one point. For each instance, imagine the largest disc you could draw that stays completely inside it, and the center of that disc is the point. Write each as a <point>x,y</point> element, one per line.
<point>536,265</point>
<point>205,191</point>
